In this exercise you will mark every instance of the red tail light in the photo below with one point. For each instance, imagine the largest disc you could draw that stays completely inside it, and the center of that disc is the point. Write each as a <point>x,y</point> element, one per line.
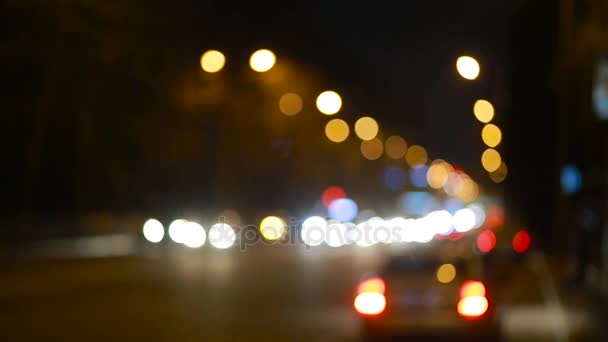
<point>473,302</point>
<point>370,298</point>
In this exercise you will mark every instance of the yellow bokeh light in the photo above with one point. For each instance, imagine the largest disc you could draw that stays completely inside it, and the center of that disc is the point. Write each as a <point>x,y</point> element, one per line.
<point>446,273</point>
<point>416,155</point>
<point>329,102</point>
<point>272,228</point>
<point>395,147</point>
<point>491,135</point>
<point>468,190</point>
<point>212,61</point>
<point>438,173</point>
<point>290,104</point>
<point>366,128</point>
<point>337,130</point>
<point>372,149</point>
<point>491,160</point>
<point>262,60</point>
<point>467,67</point>
<point>483,110</point>
<point>500,174</point>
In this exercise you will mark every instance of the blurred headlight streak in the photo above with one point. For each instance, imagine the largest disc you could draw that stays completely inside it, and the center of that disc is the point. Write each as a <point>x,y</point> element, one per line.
<point>336,234</point>
<point>290,104</point>
<point>372,149</point>
<point>395,147</point>
<point>483,110</point>
<point>421,231</point>
<point>366,128</point>
<point>499,175</point>
<point>262,60</point>
<point>212,61</point>
<point>416,155</point>
<point>221,236</point>
<point>491,135</point>
<point>473,306</point>
<point>467,67</point>
<point>394,178</point>
<point>178,230</point>
<point>480,214</point>
<point>314,230</point>
<point>343,209</point>
<point>440,221</point>
<point>364,236</point>
<point>336,130</point>
<point>329,102</point>
<point>195,235</point>
<point>490,160</point>
<point>153,231</point>
<point>417,203</point>
<point>452,205</point>
<point>418,176</point>
<point>273,228</point>
<point>446,273</point>
<point>464,220</point>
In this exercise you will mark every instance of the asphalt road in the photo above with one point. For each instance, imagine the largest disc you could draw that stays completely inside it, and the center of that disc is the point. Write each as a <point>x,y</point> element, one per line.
<point>177,294</point>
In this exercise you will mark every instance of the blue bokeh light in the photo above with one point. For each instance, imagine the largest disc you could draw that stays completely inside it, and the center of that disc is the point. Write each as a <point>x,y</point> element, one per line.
<point>571,179</point>
<point>394,178</point>
<point>417,203</point>
<point>453,205</point>
<point>418,176</point>
<point>343,209</point>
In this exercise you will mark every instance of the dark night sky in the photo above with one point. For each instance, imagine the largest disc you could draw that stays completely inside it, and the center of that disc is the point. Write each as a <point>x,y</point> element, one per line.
<point>393,62</point>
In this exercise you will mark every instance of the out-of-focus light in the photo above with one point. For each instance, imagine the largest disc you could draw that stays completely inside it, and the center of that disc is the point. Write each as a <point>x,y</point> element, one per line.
<point>343,209</point>
<point>500,174</point>
<point>314,230</point>
<point>472,288</point>
<point>395,147</point>
<point>473,306</point>
<point>372,149</point>
<point>495,217</point>
<point>490,160</point>
<point>262,60</point>
<point>212,61</point>
<point>417,203</point>
<point>178,230</point>
<point>329,102</point>
<point>464,220</point>
<point>521,241</point>
<point>221,236</point>
<point>375,284</point>
<point>231,217</point>
<point>153,231</point>
<point>394,178</point>
<point>365,215</point>
<point>363,239</point>
<point>571,179</point>
<point>438,173</point>
<point>272,228</point>
<point>366,128</point>
<point>467,67</point>
<point>468,190</point>
<point>452,205</point>
<point>480,214</point>
<point>195,235</point>
<point>370,303</point>
<point>336,130</point>
<point>418,176</point>
<point>491,135</point>
<point>483,110</point>
<point>440,221</point>
<point>446,273</point>
<point>336,233</point>
<point>416,155</point>
<point>331,194</point>
<point>486,241</point>
<point>290,104</point>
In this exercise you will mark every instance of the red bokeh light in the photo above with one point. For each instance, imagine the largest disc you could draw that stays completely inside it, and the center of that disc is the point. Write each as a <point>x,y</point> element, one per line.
<point>455,236</point>
<point>495,218</point>
<point>486,241</point>
<point>331,194</point>
<point>522,241</point>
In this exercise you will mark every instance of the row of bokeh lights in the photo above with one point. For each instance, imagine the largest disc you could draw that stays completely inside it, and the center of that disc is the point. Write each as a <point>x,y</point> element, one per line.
<point>491,135</point>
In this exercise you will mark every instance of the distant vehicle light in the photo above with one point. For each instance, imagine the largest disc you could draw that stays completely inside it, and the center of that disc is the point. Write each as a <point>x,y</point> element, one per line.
<point>370,303</point>
<point>153,231</point>
<point>521,241</point>
<point>375,284</point>
<point>472,288</point>
<point>472,306</point>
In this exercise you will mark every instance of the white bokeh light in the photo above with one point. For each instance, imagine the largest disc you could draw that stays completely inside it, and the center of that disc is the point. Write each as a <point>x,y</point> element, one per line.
<point>153,231</point>
<point>464,220</point>
<point>195,235</point>
<point>313,230</point>
<point>178,230</point>
<point>221,236</point>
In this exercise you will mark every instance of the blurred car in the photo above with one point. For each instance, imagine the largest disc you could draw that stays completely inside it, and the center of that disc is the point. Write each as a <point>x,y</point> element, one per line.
<point>424,297</point>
